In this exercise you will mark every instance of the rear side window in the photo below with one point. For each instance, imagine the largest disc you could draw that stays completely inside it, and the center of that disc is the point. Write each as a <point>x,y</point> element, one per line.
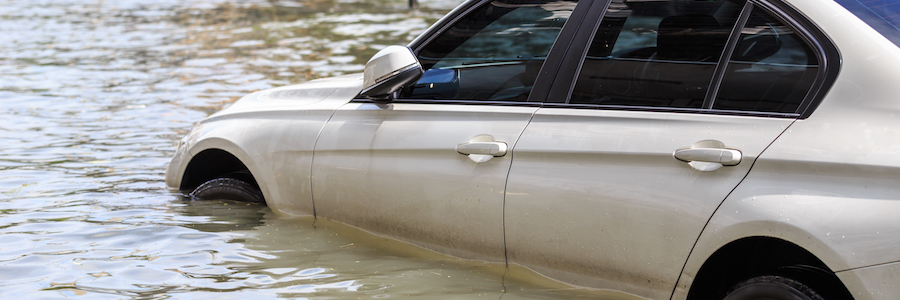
<point>666,54</point>
<point>655,53</point>
<point>771,70</point>
<point>881,15</point>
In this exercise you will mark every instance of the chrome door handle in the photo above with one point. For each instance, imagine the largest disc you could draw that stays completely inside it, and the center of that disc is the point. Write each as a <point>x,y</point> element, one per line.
<point>726,157</point>
<point>483,148</point>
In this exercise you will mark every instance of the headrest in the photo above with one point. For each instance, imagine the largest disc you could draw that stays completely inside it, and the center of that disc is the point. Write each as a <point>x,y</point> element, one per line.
<point>690,37</point>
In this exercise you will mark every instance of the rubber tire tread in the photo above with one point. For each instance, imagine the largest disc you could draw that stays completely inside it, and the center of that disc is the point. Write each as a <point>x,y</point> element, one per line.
<point>772,287</point>
<point>228,189</point>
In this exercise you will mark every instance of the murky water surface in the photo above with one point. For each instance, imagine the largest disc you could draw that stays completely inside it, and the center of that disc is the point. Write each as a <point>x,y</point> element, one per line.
<point>96,93</point>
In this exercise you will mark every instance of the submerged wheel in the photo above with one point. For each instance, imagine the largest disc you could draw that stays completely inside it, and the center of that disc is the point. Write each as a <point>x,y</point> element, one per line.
<point>229,189</point>
<point>772,287</point>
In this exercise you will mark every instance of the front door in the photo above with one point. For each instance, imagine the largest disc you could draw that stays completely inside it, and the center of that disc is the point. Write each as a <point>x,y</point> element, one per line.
<point>430,167</point>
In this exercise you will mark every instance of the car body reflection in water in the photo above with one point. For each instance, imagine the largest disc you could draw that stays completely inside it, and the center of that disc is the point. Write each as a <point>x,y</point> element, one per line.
<point>96,95</point>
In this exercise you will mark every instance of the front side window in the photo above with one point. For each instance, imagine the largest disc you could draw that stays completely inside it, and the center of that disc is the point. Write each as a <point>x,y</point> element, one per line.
<point>493,53</point>
<point>655,53</point>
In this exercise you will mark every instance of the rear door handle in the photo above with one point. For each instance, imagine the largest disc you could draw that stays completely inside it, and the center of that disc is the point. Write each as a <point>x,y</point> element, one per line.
<point>726,157</point>
<point>483,148</point>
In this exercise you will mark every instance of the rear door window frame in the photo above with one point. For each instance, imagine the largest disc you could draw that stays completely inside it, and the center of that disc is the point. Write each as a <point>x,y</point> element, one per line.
<point>828,55</point>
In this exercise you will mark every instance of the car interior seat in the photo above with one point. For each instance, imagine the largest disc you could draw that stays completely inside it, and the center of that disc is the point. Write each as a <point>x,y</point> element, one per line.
<point>694,37</point>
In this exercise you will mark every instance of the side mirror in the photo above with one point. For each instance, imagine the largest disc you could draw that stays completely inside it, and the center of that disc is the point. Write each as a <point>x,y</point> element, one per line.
<point>388,71</point>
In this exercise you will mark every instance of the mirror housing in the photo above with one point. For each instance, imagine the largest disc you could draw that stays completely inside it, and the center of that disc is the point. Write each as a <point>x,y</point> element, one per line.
<point>388,71</point>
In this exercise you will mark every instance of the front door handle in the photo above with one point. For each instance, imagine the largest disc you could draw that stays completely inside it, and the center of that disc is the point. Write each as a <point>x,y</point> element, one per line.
<point>483,148</point>
<point>726,157</point>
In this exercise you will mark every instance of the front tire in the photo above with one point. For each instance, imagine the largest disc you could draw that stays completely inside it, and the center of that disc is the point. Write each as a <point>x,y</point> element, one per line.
<point>228,189</point>
<point>772,287</point>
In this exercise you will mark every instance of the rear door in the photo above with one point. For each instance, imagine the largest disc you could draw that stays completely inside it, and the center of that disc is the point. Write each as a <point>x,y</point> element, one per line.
<point>662,116</point>
<point>430,167</point>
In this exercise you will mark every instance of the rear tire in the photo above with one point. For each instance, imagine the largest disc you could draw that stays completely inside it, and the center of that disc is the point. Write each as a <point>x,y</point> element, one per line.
<point>772,287</point>
<point>228,189</point>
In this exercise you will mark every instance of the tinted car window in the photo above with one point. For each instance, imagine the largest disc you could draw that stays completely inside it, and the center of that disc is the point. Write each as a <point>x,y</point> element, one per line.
<point>655,53</point>
<point>771,70</point>
<point>493,53</point>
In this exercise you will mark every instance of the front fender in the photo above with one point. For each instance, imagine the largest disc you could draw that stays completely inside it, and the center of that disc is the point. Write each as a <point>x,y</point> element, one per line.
<point>175,169</point>
<point>273,133</point>
<point>260,141</point>
<point>193,145</point>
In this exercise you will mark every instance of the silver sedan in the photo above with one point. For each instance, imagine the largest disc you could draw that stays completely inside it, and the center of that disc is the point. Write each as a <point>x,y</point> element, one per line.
<point>656,149</point>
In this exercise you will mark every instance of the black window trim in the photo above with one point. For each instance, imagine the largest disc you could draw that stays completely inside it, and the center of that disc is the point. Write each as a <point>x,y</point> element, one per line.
<point>673,110</point>
<point>561,63</point>
<point>571,67</point>
<point>451,102</point>
<point>722,65</point>
<point>556,79</point>
<point>828,55</point>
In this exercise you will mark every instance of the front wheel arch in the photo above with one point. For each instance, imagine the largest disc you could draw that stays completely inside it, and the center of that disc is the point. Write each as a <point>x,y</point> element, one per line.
<point>214,163</point>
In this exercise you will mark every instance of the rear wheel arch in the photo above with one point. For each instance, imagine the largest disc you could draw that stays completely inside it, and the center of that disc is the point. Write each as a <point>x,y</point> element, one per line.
<point>756,256</point>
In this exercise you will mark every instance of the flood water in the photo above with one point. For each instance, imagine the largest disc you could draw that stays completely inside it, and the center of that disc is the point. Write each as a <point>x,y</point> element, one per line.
<point>95,95</point>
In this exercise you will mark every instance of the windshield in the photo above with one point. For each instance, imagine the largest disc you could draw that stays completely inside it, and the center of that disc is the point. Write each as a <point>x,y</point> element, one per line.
<point>881,15</point>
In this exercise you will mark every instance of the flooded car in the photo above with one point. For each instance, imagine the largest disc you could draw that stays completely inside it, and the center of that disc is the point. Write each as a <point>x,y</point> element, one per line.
<point>662,149</point>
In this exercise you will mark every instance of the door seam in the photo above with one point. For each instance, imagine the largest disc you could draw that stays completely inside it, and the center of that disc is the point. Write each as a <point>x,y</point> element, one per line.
<point>312,159</point>
<point>512,154</point>
<point>697,240</point>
